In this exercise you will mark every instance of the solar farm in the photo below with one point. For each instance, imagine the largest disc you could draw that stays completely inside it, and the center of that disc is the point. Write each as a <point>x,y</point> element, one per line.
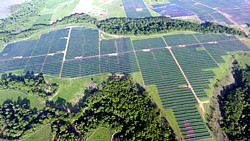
<point>225,12</point>
<point>177,64</point>
<point>135,8</point>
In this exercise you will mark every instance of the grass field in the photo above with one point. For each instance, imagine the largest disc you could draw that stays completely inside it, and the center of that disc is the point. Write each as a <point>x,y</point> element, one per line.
<point>113,9</point>
<point>42,134</point>
<point>152,90</point>
<point>137,77</point>
<point>173,122</point>
<point>13,95</point>
<point>43,19</point>
<point>101,134</point>
<point>73,89</point>
<point>243,58</point>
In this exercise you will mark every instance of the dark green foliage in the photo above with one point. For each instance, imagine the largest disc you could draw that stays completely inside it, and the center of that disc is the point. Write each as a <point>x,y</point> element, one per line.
<point>156,25</point>
<point>235,106</point>
<point>118,105</point>
<point>29,83</point>
<point>16,118</point>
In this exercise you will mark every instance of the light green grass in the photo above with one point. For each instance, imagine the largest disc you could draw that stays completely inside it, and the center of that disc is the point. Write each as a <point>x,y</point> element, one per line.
<point>13,95</point>
<point>43,19</point>
<point>64,10</point>
<point>42,134</point>
<point>18,72</point>
<point>137,77</point>
<point>101,134</point>
<point>113,10</point>
<point>53,3</point>
<point>73,89</point>
<point>152,90</point>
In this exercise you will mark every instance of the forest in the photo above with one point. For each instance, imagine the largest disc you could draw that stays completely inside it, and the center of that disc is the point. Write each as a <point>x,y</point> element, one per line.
<point>118,104</point>
<point>156,25</point>
<point>29,83</point>
<point>234,106</point>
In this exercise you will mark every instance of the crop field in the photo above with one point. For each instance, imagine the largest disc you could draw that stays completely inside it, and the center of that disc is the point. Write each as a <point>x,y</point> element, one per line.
<point>135,8</point>
<point>78,52</point>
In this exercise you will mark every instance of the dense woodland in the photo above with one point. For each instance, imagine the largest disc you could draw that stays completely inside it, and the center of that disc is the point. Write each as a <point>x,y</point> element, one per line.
<point>28,83</point>
<point>234,106</point>
<point>118,104</point>
<point>156,25</point>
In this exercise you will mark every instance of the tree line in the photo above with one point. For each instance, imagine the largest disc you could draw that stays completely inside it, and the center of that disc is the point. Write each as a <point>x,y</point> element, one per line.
<point>156,25</point>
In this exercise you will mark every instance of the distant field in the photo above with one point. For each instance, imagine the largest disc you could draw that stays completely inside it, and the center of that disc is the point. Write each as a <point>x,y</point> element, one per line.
<point>59,8</point>
<point>73,89</point>
<point>43,19</point>
<point>14,95</point>
<point>42,134</point>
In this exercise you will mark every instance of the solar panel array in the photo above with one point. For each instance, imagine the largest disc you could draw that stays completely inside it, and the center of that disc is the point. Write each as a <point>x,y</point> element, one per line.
<point>79,52</point>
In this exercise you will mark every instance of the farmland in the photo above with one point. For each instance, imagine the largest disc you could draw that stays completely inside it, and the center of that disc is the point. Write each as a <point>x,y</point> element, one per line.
<point>79,52</point>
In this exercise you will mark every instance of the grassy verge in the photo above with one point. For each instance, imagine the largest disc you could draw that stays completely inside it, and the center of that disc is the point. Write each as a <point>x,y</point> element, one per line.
<point>137,77</point>
<point>13,95</point>
<point>169,114</point>
<point>73,89</point>
<point>152,90</point>
<point>42,134</point>
<point>101,134</point>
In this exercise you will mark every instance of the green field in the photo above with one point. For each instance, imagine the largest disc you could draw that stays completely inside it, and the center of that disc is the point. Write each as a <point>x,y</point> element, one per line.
<point>42,134</point>
<point>101,134</point>
<point>73,89</point>
<point>113,10</point>
<point>14,95</point>
<point>43,19</point>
